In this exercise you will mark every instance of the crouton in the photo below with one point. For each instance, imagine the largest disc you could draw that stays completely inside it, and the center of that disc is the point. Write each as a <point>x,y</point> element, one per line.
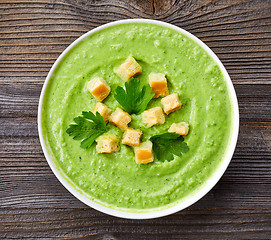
<point>131,137</point>
<point>120,119</point>
<point>158,82</point>
<point>128,69</point>
<point>98,88</point>
<point>107,143</point>
<point>153,116</point>
<point>103,110</point>
<point>171,103</point>
<point>143,153</point>
<point>181,128</point>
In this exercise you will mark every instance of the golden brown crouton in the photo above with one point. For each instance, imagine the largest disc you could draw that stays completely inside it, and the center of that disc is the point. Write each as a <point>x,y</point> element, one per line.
<point>131,137</point>
<point>107,143</point>
<point>181,128</point>
<point>128,69</point>
<point>153,116</point>
<point>171,103</point>
<point>98,88</point>
<point>158,82</point>
<point>120,118</point>
<point>103,110</point>
<point>143,153</point>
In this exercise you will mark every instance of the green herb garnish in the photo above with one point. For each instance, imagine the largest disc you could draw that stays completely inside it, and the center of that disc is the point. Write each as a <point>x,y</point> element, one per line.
<point>166,145</point>
<point>87,128</point>
<point>134,99</point>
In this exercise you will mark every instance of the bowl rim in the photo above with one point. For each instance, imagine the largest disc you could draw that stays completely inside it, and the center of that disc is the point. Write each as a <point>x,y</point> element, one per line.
<point>149,214</point>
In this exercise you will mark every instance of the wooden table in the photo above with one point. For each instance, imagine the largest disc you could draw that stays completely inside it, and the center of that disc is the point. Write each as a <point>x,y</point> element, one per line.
<point>33,203</point>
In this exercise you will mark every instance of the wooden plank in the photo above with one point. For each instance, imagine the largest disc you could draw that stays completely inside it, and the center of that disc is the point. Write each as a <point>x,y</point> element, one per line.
<point>236,31</point>
<point>33,203</point>
<point>218,223</point>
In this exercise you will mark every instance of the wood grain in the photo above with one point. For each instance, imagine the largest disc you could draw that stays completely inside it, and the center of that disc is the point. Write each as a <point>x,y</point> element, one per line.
<point>34,205</point>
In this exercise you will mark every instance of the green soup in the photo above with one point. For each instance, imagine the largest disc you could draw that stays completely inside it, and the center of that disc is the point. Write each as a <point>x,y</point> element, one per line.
<point>115,179</point>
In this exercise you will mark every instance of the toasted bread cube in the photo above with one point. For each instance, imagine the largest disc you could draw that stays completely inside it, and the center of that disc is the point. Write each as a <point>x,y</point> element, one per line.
<point>153,116</point>
<point>143,153</point>
<point>171,103</point>
<point>98,88</point>
<point>120,119</point>
<point>128,69</point>
<point>158,82</point>
<point>131,137</point>
<point>181,128</point>
<point>107,143</point>
<point>103,110</point>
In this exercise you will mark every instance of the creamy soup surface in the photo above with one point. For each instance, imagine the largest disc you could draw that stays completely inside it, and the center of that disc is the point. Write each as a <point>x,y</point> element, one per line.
<point>115,179</point>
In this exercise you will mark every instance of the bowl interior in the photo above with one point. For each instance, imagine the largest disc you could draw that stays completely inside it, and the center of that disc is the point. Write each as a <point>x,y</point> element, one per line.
<point>150,213</point>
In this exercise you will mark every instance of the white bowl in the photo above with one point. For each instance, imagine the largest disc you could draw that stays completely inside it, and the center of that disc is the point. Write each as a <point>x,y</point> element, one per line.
<point>151,213</point>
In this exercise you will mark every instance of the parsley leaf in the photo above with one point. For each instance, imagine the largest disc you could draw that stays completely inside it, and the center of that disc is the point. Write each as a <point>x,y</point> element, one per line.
<point>87,128</point>
<point>166,145</point>
<point>134,99</point>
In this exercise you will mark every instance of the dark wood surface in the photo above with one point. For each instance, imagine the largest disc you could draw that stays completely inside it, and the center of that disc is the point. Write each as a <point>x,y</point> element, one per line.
<point>34,205</point>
